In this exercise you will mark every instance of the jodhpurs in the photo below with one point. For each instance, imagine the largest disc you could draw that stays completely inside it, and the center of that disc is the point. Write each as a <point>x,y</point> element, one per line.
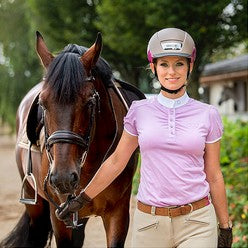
<point>197,229</point>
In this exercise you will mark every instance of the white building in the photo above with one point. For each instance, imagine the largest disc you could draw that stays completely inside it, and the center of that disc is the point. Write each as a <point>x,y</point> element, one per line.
<point>225,84</point>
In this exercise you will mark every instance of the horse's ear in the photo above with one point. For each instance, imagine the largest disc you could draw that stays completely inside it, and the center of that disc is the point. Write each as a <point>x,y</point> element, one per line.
<point>45,56</point>
<point>90,57</point>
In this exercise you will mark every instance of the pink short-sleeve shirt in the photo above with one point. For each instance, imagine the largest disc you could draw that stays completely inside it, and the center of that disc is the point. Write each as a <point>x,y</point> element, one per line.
<point>172,135</point>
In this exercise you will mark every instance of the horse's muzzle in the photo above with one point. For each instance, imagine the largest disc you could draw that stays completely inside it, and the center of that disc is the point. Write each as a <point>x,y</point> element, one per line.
<point>65,183</point>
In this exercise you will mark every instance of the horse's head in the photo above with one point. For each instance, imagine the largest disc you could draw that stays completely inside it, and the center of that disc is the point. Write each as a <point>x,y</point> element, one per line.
<point>226,94</point>
<point>69,101</point>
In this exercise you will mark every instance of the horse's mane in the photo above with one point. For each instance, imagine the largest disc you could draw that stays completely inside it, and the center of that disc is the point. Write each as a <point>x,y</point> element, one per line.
<point>66,74</point>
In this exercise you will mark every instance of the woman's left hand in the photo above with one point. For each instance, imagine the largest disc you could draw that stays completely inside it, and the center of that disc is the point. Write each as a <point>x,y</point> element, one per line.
<point>72,206</point>
<point>225,237</point>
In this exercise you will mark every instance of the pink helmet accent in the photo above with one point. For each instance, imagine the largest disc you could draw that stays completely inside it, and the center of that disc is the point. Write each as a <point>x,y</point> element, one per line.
<point>149,56</point>
<point>193,55</point>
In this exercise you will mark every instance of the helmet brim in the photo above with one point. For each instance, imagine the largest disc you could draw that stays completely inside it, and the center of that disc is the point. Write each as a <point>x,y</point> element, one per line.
<point>172,54</point>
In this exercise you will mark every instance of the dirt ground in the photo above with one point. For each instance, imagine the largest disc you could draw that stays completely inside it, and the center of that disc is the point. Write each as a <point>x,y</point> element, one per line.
<point>11,209</point>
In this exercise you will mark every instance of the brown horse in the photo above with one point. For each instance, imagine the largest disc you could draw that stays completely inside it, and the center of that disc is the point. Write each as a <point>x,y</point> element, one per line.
<point>78,112</point>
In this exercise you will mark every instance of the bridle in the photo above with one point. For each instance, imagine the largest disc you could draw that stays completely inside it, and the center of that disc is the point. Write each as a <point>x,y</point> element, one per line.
<point>70,137</point>
<point>67,136</point>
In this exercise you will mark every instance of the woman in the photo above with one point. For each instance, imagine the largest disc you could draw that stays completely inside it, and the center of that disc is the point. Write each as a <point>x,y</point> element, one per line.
<point>181,186</point>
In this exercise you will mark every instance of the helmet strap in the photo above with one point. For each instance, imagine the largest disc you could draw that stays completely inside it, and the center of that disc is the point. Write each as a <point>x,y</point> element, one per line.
<point>172,91</point>
<point>188,74</point>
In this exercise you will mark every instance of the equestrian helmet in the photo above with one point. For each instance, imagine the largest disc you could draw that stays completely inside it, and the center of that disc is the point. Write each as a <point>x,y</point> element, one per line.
<point>171,42</point>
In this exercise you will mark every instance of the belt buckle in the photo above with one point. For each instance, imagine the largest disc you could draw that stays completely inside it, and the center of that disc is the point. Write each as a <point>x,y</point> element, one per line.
<point>184,212</point>
<point>191,207</point>
<point>181,207</point>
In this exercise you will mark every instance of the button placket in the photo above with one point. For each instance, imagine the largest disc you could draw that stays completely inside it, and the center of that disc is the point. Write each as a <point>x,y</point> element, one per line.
<point>172,122</point>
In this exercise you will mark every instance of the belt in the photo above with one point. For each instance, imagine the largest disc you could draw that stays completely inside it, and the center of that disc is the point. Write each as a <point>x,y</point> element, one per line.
<point>173,211</point>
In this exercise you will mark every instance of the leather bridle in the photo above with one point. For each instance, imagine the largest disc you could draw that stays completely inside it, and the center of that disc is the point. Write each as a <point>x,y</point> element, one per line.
<point>68,136</point>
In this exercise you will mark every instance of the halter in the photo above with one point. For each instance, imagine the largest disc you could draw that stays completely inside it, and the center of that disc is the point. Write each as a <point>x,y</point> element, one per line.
<point>70,137</point>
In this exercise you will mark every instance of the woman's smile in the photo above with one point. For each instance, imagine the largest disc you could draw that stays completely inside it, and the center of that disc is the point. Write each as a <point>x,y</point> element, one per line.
<point>172,80</point>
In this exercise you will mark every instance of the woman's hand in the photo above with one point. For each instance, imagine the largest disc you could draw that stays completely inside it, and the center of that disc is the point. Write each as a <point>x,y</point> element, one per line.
<point>225,237</point>
<point>72,206</point>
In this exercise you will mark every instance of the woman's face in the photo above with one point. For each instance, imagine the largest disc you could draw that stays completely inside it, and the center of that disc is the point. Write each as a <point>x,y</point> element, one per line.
<point>172,71</point>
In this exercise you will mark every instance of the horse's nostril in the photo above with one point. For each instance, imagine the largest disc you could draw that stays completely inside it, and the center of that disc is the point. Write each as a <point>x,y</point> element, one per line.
<point>73,178</point>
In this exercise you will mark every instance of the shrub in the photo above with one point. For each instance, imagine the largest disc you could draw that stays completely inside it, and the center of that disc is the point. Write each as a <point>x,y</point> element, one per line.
<point>234,158</point>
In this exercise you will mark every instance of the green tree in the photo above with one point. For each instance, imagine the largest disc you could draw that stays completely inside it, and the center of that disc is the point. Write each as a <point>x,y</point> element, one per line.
<point>125,32</point>
<point>18,61</point>
<point>128,25</point>
<point>62,21</point>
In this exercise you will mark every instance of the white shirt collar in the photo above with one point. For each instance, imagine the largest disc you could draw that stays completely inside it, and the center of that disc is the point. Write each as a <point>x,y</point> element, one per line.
<point>173,103</point>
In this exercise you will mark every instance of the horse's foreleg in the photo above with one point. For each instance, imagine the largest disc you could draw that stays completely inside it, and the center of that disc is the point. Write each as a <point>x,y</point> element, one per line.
<point>40,224</point>
<point>116,223</point>
<point>67,237</point>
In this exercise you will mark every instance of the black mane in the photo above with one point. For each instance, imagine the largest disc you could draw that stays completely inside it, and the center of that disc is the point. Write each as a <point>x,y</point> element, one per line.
<point>66,74</point>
